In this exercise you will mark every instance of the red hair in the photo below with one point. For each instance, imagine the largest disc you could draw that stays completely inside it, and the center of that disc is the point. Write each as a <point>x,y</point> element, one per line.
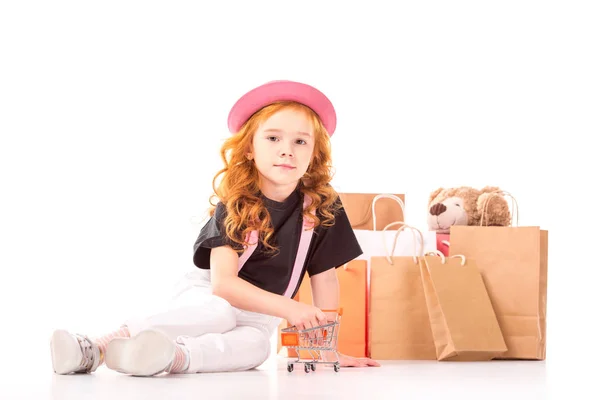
<point>239,192</point>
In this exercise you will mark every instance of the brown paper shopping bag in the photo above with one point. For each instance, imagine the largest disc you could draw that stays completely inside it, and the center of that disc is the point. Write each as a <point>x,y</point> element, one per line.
<point>399,327</point>
<point>463,322</point>
<point>352,335</point>
<point>513,262</point>
<point>360,208</point>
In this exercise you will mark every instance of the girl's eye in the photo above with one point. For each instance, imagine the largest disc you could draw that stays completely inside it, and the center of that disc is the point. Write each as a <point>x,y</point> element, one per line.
<point>300,141</point>
<point>272,138</point>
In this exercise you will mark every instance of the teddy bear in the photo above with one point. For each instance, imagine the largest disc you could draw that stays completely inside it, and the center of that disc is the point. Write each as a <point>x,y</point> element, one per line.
<point>464,206</point>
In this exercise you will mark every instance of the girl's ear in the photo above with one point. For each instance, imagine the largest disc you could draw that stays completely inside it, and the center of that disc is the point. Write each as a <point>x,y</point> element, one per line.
<point>249,154</point>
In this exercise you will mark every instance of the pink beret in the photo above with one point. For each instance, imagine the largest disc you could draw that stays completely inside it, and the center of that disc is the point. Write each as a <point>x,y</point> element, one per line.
<point>273,91</point>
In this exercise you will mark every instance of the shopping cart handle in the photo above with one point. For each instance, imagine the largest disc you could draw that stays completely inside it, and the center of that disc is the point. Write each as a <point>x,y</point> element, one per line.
<point>340,310</point>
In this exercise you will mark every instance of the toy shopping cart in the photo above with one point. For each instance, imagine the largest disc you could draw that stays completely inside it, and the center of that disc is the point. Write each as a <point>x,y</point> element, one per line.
<point>314,340</point>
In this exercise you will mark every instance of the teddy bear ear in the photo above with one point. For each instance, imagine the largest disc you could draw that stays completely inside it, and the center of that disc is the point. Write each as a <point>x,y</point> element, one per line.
<point>490,189</point>
<point>434,194</point>
<point>496,211</point>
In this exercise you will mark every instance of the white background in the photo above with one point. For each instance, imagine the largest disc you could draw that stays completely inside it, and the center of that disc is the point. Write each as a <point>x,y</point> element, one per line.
<point>112,114</point>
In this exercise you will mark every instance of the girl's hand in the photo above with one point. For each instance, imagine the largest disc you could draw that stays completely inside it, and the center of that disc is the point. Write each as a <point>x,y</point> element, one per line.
<point>304,316</point>
<point>347,361</point>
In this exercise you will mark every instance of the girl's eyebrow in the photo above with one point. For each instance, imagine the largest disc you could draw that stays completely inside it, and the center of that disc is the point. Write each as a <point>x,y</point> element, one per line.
<point>273,130</point>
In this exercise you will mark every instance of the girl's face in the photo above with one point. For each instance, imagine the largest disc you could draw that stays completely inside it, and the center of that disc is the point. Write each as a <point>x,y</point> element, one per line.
<point>282,148</point>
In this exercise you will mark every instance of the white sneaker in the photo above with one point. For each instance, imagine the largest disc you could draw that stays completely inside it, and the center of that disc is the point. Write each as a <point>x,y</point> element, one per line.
<point>72,353</point>
<point>146,354</point>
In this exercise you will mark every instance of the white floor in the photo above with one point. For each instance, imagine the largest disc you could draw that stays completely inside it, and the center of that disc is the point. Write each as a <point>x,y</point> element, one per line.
<point>393,380</point>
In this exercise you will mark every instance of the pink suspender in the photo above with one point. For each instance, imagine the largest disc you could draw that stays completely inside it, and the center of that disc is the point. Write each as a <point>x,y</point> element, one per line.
<point>305,238</point>
<point>252,240</point>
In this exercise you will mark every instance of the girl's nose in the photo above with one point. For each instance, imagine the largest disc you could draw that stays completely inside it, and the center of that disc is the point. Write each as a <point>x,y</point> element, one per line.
<point>286,151</point>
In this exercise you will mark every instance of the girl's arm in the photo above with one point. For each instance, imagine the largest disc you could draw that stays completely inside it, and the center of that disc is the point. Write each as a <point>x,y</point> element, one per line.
<point>243,295</point>
<point>325,290</point>
<point>326,294</point>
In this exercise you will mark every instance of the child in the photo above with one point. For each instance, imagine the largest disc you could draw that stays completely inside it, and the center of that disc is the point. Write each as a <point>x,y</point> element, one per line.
<point>276,218</point>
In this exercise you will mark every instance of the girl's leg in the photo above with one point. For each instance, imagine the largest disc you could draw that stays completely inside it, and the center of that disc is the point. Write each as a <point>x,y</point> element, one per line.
<point>245,347</point>
<point>72,353</point>
<point>240,349</point>
<point>152,352</point>
<point>153,349</point>
<point>206,314</point>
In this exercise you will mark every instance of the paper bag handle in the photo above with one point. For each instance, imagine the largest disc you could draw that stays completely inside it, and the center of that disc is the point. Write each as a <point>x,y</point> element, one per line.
<point>497,193</point>
<point>387,196</point>
<point>441,255</point>
<point>396,235</point>
<point>404,226</point>
<point>381,196</point>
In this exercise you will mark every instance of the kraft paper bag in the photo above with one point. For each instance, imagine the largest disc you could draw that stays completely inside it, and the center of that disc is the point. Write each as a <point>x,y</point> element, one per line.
<point>513,262</point>
<point>399,327</point>
<point>352,333</point>
<point>373,241</point>
<point>463,322</point>
<point>360,208</point>
<point>401,242</point>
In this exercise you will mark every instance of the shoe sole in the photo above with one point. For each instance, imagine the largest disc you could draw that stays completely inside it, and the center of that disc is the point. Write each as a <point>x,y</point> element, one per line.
<point>148,353</point>
<point>66,353</point>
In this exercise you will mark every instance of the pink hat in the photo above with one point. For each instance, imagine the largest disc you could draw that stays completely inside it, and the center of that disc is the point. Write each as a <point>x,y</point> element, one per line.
<point>273,91</point>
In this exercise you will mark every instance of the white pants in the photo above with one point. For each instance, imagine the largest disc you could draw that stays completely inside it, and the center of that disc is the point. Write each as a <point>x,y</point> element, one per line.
<point>218,336</point>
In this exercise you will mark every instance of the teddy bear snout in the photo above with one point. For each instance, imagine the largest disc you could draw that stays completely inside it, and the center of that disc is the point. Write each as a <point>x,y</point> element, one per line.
<point>437,209</point>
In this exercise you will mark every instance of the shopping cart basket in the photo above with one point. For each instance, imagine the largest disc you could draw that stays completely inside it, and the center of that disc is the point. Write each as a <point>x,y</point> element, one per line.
<point>314,340</point>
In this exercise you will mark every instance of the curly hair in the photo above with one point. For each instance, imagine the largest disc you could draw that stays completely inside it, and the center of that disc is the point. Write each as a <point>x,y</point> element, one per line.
<point>239,192</point>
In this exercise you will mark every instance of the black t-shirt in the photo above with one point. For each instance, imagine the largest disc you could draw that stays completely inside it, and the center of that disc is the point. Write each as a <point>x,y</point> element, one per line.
<point>330,247</point>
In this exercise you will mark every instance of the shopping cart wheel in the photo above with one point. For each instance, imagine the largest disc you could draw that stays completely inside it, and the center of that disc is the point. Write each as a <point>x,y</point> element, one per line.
<point>290,367</point>
<point>313,366</point>
<point>306,368</point>
<point>336,367</point>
